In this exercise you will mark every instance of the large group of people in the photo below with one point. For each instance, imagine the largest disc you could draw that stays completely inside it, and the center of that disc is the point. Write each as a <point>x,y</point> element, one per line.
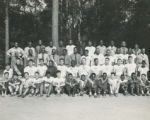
<point>97,70</point>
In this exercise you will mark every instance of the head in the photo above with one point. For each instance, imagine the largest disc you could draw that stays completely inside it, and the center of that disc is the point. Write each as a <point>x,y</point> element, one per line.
<point>119,61</point>
<point>143,50</point>
<point>143,77</point>
<point>96,62</point>
<point>113,75</point>
<point>43,49</point>
<point>73,63</point>
<point>65,52</point>
<point>70,76</point>
<point>61,61</point>
<point>15,76</point>
<point>7,67</point>
<point>41,61</point>
<point>48,75</point>
<point>30,62</point>
<point>83,61</point>
<point>112,43</point>
<point>51,43</point>
<point>130,59</point>
<point>40,42</point>
<point>123,44</point>
<point>61,43</point>
<point>53,51</point>
<point>107,61</point>
<point>26,75</point>
<point>58,73</point>
<point>108,52</point>
<point>70,42</point>
<point>136,46</point>
<point>18,61</point>
<point>97,51</point>
<point>104,75</point>
<point>143,63</point>
<point>118,51</point>
<point>122,77</point>
<point>75,50</point>
<point>90,43</point>
<point>86,52</point>
<point>101,42</point>
<point>37,75</point>
<point>16,45</point>
<point>50,63</point>
<point>6,75</point>
<point>133,76</point>
<point>30,44</point>
<point>130,51</point>
<point>83,77</point>
<point>93,76</point>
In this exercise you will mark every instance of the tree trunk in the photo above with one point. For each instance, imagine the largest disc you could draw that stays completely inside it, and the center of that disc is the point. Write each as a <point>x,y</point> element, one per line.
<point>55,12</point>
<point>6,29</point>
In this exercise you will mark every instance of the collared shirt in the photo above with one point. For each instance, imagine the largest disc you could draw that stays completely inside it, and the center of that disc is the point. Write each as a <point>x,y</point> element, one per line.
<point>42,70</point>
<point>43,56</point>
<point>67,59</point>
<point>102,49</point>
<point>15,52</point>
<point>30,70</point>
<point>91,50</point>
<point>70,49</point>
<point>26,51</point>
<point>100,57</point>
<point>77,58</point>
<point>49,49</point>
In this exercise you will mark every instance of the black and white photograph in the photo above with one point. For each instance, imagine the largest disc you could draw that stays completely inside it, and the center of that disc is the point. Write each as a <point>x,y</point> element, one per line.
<point>74,59</point>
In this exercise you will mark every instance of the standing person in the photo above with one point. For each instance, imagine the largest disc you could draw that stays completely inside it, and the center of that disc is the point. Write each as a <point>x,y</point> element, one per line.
<point>145,57</point>
<point>114,84</point>
<point>70,47</point>
<point>124,84</point>
<point>111,58</point>
<point>130,53</point>
<point>18,68</point>
<point>124,49</point>
<point>30,53</point>
<point>49,48</point>
<point>30,69</point>
<point>134,84</point>
<point>71,85</point>
<point>14,53</point>
<point>98,55</point>
<point>59,83</point>
<point>76,56</point>
<point>39,47</point>
<point>51,68</point>
<point>66,58</point>
<point>54,56</point>
<point>130,67</point>
<point>43,55</point>
<point>48,84</point>
<point>102,47</point>
<point>118,55</point>
<point>60,48</point>
<point>136,49</point>
<point>87,57</point>
<point>112,47</point>
<point>9,70</point>
<point>90,48</point>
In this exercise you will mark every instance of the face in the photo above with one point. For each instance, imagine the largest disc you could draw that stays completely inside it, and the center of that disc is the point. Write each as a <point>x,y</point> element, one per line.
<point>15,77</point>
<point>40,42</point>
<point>83,77</point>
<point>143,51</point>
<point>41,62</point>
<point>65,52</point>
<point>43,50</point>
<point>97,50</point>
<point>26,75</point>
<point>90,43</point>
<point>123,44</point>
<point>83,61</point>
<point>73,63</point>
<point>61,62</point>
<point>6,75</point>
<point>75,50</point>
<point>30,63</point>
<point>101,42</point>
<point>18,62</point>
<point>86,52</point>
<point>61,43</point>
<point>51,44</point>
<point>50,63</point>
<point>136,46</point>
<point>122,77</point>
<point>119,62</point>
<point>130,59</point>
<point>93,76</point>
<point>107,61</point>
<point>118,51</point>
<point>133,76</point>
<point>53,51</point>
<point>70,42</point>
<point>16,44</point>
<point>96,61</point>
<point>7,67</point>
<point>36,75</point>
<point>70,76</point>
<point>104,75</point>
<point>112,75</point>
<point>30,44</point>
<point>130,51</point>
<point>112,43</point>
<point>48,75</point>
<point>58,74</point>
<point>143,77</point>
<point>108,52</point>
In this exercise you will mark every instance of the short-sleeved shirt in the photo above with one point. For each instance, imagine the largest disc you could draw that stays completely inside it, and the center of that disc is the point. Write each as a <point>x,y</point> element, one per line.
<point>30,70</point>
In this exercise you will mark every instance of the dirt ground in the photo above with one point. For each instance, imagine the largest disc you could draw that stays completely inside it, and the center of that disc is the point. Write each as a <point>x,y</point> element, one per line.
<point>78,108</point>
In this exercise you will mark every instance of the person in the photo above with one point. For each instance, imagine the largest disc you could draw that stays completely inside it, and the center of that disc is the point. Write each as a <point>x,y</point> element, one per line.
<point>90,48</point>
<point>112,48</point>
<point>134,84</point>
<point>39,47</point>
<point>91,85</point>
<point>66,58</point>
<point>51,68</point>
<point>145,57</point>
<point>4,84</point>
<point>54,56</point>
<point>70,47</point>
<point>61,48</point>
<point>130,53</point>
<point>118,55</point>
<point>96,68</point>
<point>41,68</point>
<point>30,53</point>
<point>145,85</point>
<point>124,84</point>
<point>18,68</point>
<point>130,67</point>
<point>119,69</point>
<point>71,85</point>
<point>49,48</point>
<point>102,85</point>
<point>73,70</point>
<point>14,85</point>
<point>98,55</point>
<point>114,84</point>
<point>143,69</point>
<point>107,67</point>
<point>43,55</point>
<point>48,83</point>
<point>136,49</point>
<point>87,57</point>
<point>27,86</point>
<point>124,49</point>
<point>76,56</point>
<point>62,68</point>
<point>31,69</point>
<point>9,70</point>
<point>37,84</point>
<point>102,47</point>
<point>59,83</point>
<point>14,53</point>
<point>111,58</point>
<point>82,84</point>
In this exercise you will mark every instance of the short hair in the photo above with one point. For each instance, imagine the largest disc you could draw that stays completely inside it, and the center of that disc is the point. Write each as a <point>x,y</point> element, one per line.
<point>130,57</point>
<point>26,73</point>
<point>48,73</point>
<point>70,74</point>
<point>6,73</point>
<point>58,71</point>
<point>61,59</point>
<point>41,59</point>
<point>107,58</point>
<point>143,75</point>
<point>30,60</point>
<point>95,59</point>
<point>113,73</point>
<point>7,64</point>
<point>37,72</point>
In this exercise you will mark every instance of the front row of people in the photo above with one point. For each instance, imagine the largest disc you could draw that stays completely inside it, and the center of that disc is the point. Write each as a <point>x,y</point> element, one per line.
<point>93,86</point>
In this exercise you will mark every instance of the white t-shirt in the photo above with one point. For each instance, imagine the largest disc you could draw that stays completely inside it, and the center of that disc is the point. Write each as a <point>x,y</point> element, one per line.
<point>49,49</point>
<point>48,81</point>
<point>84,70</point>
<point>96,69</point>
<point>143,70</point>
<point>88,59</point>
<point>73,71</point>
<point>42,70</point>
<point>130,68</point>
<point>91,50</point>
<point>39,80</point>
<point>10,71</point>
<point>63,70</point>
<point>58,81</point>
<point>107,69</point>
<point>31,70</point>
<point>27,82</point>
<point>101,59</point>
<point>70,49</point>
<point>119,70</point>
<point>118,56</point>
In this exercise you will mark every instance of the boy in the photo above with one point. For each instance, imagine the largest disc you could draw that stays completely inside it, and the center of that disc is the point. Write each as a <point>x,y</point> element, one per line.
<point>71,85</point>
<point>3,84</point>
<point>41,68</point>
<point>134,84</point>
<point>48,82</point>
<point>124,84</point>
<point>9,70</point>
<point>14,85</point>
<point>59,83</point>
<point>114,84</point>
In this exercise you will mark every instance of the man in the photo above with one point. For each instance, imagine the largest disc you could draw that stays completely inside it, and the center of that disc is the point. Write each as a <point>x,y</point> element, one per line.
<point>130,53</point>
<point>107,67</point>
<point>130,67</point>
<point>41,68</point>
<point>60,48</point>
<point>9,70</point>
<point>43,55</point>
<point>49,48</point>
<point>112,47</point>
<point>54,56</point>
<point>39,47</point>
<point>124,84</point>
<point>76,56</point>
<point>118,55</point>
<point>14,53</point>
<point>29,53</point>
<point>87,57</point>
<point>114,84</point>
<point>101,47</point>
<point>30,69</point>
<point>123,48</point>
<point>90,48</point>
<point>145,57</point>
<point>136,49</point>
<point>66,58</point>
<point>70,47</point>
<point>111,58</point>
<point>98,55</point>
